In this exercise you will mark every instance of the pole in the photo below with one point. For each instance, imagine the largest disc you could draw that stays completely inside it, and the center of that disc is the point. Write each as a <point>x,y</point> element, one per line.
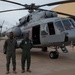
<point>1,28</point>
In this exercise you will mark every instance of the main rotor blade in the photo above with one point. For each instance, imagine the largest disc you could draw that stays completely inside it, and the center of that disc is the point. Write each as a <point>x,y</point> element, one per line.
<point>12,10</point>
<point>13,2</point>
<point>57,3</point>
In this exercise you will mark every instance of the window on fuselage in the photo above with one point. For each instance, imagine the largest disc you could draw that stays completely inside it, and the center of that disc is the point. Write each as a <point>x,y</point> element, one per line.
<point>72,22</point>
<point>44,29</point>
<point>67,24</point>
<point>59,25</point>
<point>51,28</point>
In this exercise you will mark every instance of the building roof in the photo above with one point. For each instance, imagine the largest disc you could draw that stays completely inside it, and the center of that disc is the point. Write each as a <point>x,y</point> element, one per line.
<point>68,8</point>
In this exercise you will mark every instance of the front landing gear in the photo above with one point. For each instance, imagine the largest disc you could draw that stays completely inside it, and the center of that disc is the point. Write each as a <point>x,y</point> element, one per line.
<point>54,54</point>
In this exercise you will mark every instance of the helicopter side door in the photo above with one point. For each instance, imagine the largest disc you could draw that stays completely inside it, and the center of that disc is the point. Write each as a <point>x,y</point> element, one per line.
<point>49,36</point>
<point>36,34</point>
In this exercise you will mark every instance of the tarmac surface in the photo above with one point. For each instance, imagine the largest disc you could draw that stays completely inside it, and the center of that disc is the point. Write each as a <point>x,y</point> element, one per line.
<point>41,64</point>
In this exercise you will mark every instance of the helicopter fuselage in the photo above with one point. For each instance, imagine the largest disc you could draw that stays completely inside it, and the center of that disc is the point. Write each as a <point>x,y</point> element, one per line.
<point>47,32</point>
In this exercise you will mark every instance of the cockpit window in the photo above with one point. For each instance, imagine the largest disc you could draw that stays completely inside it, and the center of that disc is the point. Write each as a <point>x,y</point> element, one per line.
<point>72,22</point>
<point>59,25</point>
<point>67,24</point>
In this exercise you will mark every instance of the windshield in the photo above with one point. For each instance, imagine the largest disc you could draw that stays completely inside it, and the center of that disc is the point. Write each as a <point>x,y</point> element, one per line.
<point>59,25</point>
<point>67,24</point>
<point>72,22</point>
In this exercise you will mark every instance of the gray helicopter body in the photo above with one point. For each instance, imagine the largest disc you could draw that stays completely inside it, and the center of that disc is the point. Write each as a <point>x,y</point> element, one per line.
<point>46,29</point>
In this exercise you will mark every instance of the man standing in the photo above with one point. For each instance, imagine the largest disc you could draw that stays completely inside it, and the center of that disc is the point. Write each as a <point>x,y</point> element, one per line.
<point>9,49</point>
<point>26,45</point>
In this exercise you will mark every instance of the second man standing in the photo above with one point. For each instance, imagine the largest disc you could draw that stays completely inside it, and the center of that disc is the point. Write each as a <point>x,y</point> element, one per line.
<point>26,45</point>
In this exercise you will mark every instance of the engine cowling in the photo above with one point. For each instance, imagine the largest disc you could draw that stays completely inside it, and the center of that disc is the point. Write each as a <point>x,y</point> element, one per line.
<point>49,14</point>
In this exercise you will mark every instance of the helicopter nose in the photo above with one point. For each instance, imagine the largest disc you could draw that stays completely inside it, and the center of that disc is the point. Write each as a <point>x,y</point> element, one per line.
<point>71,35</point>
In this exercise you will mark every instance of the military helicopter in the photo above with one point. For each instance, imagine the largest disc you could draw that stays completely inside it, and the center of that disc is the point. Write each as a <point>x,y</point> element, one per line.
<point>45,28</point>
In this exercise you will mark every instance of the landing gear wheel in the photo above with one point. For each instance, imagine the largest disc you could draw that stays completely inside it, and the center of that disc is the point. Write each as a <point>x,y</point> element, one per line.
<point>53,54</point>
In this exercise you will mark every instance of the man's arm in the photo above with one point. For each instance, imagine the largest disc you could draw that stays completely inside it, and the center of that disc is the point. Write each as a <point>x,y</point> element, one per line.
<point>16,45</point>
<point>5,47</point>
<point>31,43</point>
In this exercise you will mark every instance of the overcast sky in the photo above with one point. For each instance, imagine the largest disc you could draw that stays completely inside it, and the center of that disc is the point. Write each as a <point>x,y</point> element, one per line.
<point>11,18</point>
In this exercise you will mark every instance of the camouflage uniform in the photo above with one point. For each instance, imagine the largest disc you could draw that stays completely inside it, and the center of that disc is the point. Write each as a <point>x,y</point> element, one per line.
<point>9,50</point>
<point>26,45</point>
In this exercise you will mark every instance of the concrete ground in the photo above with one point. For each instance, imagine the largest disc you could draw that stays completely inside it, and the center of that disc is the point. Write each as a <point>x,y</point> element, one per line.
<point>41,64</point>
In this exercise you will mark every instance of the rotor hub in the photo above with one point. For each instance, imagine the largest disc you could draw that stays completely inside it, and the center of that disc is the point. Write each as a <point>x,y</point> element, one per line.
<point>31,6</point>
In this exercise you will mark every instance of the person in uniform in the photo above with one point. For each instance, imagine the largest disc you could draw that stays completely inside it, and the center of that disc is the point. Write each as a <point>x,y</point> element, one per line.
<point>9,49</point>
<point>26,45</point>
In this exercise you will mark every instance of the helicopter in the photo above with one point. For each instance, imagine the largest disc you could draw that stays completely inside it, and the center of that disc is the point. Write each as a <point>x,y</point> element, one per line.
<point>44,27</point>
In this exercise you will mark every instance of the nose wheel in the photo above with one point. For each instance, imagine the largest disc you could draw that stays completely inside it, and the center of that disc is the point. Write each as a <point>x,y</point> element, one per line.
<point>54,54</point>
